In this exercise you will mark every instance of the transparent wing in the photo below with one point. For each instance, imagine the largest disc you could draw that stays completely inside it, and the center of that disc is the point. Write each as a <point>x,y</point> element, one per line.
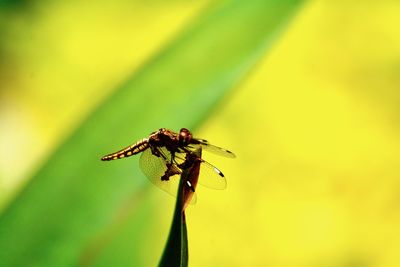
<point>213,149</point>
<point>156,167</point>
<point>211,176</point>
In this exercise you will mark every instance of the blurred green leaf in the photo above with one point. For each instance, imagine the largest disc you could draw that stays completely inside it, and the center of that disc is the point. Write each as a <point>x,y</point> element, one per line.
<point>74,196</point>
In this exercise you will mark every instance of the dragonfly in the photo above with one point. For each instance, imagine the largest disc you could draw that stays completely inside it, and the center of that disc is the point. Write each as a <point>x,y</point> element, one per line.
<point>165,154</point>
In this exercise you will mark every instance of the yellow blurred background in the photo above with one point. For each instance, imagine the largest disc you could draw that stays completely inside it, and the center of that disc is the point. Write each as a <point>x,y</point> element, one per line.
<point>60,60</point>
<point>315,126</point>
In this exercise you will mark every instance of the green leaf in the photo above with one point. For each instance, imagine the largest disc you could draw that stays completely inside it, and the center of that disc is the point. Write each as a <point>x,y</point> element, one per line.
<point>74,197</point>
<point>176,249</point>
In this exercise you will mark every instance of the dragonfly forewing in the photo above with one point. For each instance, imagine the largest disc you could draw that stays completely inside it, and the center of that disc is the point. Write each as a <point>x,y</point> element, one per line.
<point>213,149</point>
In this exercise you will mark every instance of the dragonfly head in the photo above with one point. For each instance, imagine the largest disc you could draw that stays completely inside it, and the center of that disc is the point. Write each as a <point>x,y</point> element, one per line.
<point>185,136</point>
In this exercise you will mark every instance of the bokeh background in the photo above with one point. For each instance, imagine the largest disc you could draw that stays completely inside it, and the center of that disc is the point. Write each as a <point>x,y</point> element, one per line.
<point>311,108</point>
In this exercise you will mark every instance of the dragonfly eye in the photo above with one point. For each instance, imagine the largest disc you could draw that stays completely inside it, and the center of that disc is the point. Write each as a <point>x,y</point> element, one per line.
<point>185,136</point>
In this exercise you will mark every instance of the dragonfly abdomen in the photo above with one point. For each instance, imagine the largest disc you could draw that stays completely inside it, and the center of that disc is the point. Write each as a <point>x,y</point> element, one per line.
<point>128,151</point>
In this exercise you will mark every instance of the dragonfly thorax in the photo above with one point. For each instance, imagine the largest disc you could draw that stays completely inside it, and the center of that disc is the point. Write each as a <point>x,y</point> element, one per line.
<point>165,138</point>
<point>172,141</point>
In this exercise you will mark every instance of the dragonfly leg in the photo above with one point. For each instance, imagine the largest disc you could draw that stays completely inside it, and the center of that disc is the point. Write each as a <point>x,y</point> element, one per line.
<point>170,171</point>
<point>156,152</point>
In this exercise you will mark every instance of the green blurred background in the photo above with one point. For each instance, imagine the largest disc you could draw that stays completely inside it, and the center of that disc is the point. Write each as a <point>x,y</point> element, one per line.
<point>312,112</point>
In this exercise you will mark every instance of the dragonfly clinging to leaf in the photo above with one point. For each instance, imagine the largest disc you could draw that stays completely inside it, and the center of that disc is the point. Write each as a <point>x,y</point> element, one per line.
<point>166,153</point>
